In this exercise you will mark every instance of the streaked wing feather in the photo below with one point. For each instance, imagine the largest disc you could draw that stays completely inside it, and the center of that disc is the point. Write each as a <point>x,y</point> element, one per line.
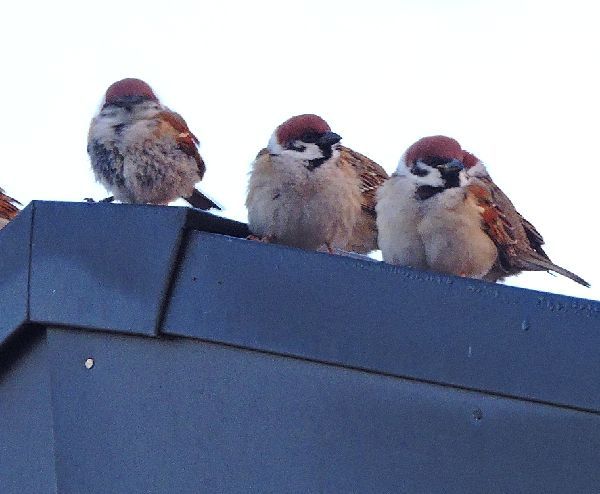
<point>371,176</point>
<point>8,206</point>
<point>186,140</point>
<point>518,242</point>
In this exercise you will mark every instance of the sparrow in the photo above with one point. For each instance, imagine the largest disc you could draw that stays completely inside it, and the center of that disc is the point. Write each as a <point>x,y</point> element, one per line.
<point>441,211</point>
<point>306,190</point>
<point>141,151</point>
<point>8,208</point>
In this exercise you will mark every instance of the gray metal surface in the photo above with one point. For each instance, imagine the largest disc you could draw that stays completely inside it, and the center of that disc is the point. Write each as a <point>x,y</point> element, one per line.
<point>26,426</point>
<point>98,266</point>
<point>15,240</point>
<point>226,365</point>
<point>156,416</point>
<point>404,322</point>
<point>112,273</point>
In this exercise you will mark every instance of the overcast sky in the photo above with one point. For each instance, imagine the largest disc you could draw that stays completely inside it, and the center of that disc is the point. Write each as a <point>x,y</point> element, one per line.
<point>515,82</point>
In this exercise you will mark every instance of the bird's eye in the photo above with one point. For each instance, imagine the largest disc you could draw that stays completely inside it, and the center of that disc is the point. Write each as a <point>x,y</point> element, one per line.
<point>435,161</point>
<point>311,137</point>
<point>419,171</point>
<point>296,146</point>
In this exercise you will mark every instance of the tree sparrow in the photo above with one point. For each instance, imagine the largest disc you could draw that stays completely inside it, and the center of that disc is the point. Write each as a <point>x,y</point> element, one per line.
<point>141,151</point>
<point>441,211</point>
<point>8,208</point>
<point>308,191</point>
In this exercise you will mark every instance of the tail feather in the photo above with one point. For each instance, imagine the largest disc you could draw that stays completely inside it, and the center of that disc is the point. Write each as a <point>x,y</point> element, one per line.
<point>538,264</point>
<point>199,201</point>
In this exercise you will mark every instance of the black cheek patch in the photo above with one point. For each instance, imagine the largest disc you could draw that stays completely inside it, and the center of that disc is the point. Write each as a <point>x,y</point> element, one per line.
<point>452,179</point>
<point>426,191</point>
<point>327,153</point>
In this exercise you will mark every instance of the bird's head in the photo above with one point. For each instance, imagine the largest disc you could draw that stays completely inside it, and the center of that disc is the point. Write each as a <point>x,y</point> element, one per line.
<point>128,92</point>
<point>306,138</point>
<point>438,161</point>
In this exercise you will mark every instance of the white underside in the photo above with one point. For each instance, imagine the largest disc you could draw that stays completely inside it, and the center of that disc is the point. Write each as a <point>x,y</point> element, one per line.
<point>302,208</point>
<point>154,169</point>
<point>442,233</point>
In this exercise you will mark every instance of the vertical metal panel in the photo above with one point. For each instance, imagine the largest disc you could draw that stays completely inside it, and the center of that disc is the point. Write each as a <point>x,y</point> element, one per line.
<point>26,435</point>
<point>15,243</point>
<point>395,320</point>
<point>159,416</point>
<point>110,273</point>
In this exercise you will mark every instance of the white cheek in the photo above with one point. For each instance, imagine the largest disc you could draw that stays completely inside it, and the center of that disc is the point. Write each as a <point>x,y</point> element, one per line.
<point>103,126</point>
<point>312,151</point>
<point>464,178</point>
<point>433,178</point>
<point>294,155</point>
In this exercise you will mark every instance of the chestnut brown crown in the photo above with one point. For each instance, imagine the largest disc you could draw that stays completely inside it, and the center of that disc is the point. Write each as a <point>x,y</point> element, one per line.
<point>129,87</point>
<point>300,125</point>
<point>439,147</point>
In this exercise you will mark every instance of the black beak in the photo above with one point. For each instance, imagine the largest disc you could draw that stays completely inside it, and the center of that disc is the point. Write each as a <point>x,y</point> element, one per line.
<point>329,139</point>
<point>453,166</point>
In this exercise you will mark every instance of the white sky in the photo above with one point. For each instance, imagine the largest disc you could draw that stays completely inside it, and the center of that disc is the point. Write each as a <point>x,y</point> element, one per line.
<point>516,82</point>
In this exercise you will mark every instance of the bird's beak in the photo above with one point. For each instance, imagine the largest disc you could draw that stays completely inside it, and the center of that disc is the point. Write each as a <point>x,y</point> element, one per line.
<point>453,166</point>
<point>329,139</point>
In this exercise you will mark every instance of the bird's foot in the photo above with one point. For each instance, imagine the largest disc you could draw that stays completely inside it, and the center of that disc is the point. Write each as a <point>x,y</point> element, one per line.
<point>106,199</point>
<point>266,239</point>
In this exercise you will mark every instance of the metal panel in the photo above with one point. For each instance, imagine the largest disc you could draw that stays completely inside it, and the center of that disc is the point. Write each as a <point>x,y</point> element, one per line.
<point>15,247</point>
<point>105,266</point>
<point>164,416</point>
<point>389,319</point>
<point>26,435</point>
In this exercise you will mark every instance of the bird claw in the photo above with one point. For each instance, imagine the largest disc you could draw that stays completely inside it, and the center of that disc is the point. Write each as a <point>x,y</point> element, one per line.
<point>106,199</point>
<point>266,239</point>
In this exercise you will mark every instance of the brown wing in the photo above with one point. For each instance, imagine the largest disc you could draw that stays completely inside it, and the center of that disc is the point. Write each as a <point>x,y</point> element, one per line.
<point>8,206</point>
<point>186,141</point>
<point>371,176</point>
<point>519,243</point>
<point>262,152</point>
<point>535,238</point>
